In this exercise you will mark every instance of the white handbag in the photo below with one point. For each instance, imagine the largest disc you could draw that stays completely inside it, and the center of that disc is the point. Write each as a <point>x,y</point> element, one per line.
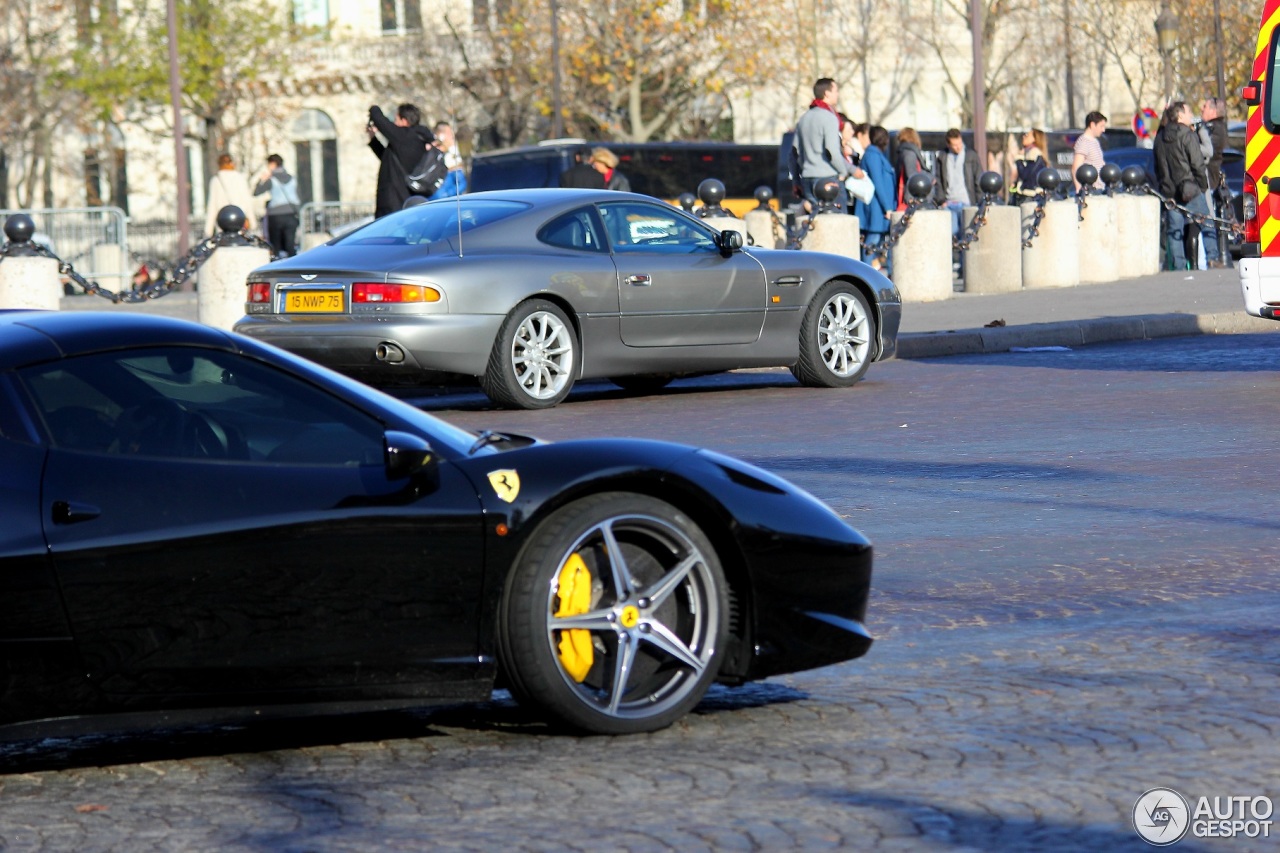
<point>860,188</point>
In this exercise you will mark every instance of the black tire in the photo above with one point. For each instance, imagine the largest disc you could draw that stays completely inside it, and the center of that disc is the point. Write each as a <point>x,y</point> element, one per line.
<point>534,359</point>
<point>653,621</point>
<point>837,338</point>
<point>645,383</point>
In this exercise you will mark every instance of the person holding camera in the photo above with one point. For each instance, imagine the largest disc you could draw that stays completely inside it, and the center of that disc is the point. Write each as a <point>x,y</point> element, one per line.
<point>406,139</point>
<point>1181,173</point>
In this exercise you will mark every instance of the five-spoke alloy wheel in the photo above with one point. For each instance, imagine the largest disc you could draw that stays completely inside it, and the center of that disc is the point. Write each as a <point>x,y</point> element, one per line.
<point>613,618</point>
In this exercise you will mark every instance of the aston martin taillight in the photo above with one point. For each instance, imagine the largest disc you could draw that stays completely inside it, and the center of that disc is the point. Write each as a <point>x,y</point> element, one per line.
<point>378,292</point>
<point>259,292</point>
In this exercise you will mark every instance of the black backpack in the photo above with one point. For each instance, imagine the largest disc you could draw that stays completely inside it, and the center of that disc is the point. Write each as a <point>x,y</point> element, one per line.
<point>426,177</point>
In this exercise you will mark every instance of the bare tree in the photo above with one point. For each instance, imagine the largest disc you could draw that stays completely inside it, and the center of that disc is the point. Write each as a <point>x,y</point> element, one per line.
<point>875,57</point>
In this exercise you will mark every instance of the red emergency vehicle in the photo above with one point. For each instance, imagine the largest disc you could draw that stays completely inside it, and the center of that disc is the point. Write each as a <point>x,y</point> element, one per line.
<point>1260,263</point>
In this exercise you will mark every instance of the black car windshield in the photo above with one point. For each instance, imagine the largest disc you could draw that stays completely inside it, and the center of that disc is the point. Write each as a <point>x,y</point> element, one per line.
<point>427,223</point>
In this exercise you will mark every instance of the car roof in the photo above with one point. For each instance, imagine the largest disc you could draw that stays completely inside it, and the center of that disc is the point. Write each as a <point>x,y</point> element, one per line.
<point>30,337</point>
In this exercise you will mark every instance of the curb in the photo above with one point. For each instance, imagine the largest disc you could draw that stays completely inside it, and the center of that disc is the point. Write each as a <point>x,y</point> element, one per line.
<point>1074,333</point>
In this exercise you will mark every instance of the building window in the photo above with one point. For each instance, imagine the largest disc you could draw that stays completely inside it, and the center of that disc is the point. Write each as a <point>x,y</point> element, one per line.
<point>315,148</point>
<point>311,16</point>
<point>106,178</point>
<point>489,14</point>
<point>401,16</point>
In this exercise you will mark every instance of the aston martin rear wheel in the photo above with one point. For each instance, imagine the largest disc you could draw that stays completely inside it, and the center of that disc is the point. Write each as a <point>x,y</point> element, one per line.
<point>613,617</point>
<point>836,338</point>
<point>534,358</point>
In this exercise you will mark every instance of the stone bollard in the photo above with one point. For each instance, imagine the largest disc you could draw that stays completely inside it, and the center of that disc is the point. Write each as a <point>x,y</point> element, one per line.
<point>1097,245</point>
<point>986,261</point>
<point>1053,260</point>
<point>987,267</point>
<point>109,262</point>
<point>1137,227</point>
<point>1129,255</point>
<point>921,257</point>
<point>833,231</point>
<point>27,278</point>
<point>761,224</point>
<point>728,223</point>
<point>221,294</point>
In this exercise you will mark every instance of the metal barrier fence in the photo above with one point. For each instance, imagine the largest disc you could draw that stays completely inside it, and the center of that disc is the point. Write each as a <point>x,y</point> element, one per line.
<point>321,218</point>
<point>94,239</point>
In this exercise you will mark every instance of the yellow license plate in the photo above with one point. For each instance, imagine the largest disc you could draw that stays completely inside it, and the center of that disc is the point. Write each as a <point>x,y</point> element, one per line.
<point>320,301</point>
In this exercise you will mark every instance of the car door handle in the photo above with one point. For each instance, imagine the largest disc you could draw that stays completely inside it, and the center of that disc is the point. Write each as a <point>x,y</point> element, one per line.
<point>640,280</point>
<point>69,512</point>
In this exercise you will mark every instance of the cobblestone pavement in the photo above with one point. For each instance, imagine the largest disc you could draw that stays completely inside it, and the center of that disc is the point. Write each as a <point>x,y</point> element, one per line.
<point>1074,600</point>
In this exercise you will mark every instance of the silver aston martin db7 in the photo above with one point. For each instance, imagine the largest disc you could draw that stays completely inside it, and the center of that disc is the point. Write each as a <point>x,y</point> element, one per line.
<point>531,290</point>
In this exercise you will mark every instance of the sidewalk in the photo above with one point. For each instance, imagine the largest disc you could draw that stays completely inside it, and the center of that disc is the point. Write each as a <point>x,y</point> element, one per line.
<point>1162,305</point>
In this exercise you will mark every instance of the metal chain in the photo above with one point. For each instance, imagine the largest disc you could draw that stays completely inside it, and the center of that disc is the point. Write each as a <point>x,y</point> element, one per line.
<point>1034,229</point>
<point>162,286</point>
<point>795,240</point>
<point>970,234</point>
<point>1198,218</point>
<point>1082,201</point>
<point>880,251</point>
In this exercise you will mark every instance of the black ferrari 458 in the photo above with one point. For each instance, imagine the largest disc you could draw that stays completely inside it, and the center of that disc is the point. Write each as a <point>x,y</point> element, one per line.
<point>195,521</point>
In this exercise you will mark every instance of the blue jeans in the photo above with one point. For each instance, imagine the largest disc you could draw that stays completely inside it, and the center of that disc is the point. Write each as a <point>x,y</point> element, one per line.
<point>1208,231</point>
<point>957,215</point>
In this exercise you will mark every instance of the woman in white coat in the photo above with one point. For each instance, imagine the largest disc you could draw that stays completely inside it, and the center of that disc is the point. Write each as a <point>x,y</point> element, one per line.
<point>227,187</point>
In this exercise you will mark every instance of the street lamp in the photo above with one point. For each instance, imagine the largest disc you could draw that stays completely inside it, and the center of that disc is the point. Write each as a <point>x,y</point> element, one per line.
<point>1167,41</point>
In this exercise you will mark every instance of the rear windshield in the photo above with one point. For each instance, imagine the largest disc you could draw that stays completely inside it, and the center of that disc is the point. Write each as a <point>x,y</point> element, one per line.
<point>427,223</point>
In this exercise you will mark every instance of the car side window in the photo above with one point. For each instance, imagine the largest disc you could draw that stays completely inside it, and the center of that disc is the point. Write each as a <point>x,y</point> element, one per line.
<point>192,403</point>
<point>636,227</point>
<point>576,230</point>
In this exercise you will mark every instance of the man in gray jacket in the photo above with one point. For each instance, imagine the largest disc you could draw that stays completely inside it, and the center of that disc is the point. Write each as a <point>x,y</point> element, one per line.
<point>283,206</point>
<point>815,152</point>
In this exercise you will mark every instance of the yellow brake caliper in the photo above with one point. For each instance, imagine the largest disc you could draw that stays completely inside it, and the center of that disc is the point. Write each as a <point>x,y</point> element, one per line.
<point>576,652</point>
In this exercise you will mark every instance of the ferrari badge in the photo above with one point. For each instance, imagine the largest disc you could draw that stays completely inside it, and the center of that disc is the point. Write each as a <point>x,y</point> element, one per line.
<point>506,483</point>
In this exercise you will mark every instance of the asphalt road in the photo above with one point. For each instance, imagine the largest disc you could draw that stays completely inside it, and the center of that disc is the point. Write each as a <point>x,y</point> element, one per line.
<point>1074,599</point>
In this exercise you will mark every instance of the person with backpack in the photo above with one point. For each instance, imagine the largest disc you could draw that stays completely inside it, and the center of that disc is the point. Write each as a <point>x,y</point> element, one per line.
<point>283,206</point>
<point>406,142</point>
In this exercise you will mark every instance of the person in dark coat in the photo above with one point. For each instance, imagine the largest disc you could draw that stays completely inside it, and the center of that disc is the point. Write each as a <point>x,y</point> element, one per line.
<point>910,161</point>
<point>1182,176</point>
<point>582,174</point>
<point>606,163</point>
<point>406,141</point>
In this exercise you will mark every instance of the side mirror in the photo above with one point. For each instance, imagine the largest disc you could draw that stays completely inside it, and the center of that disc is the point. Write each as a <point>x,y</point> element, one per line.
<point>408,455</point>
<point>729,241</point>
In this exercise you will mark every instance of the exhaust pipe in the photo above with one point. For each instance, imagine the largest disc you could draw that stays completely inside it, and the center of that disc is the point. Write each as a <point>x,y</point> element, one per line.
<point>388,353</point>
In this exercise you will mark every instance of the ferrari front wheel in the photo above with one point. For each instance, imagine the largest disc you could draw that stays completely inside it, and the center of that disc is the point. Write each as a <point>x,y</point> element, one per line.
<point>836,338</point>
<point>613,618</point>
<point>533,361</point>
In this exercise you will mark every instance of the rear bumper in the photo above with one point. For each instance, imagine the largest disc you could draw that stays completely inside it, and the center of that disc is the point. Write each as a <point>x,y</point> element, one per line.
<point>446,343</point>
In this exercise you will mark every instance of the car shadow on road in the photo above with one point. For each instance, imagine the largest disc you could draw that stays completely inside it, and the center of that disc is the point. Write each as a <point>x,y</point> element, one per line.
<point>469,398</point>
<point>130,742</point>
